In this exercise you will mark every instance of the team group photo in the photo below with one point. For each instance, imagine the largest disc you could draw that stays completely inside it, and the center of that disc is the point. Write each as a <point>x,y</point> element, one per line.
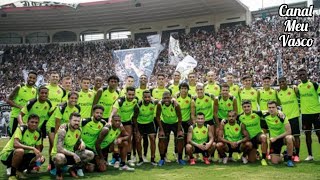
<point>214,96</point>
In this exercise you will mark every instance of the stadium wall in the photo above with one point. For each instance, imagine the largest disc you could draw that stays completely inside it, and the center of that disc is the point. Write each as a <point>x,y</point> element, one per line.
<point>73,35</point>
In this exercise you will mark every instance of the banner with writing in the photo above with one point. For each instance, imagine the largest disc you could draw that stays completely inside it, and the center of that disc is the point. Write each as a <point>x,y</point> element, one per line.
<point>34,3</point>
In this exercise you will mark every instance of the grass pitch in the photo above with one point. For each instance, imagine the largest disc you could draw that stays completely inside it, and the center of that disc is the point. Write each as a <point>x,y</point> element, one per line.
<point>173,171</point>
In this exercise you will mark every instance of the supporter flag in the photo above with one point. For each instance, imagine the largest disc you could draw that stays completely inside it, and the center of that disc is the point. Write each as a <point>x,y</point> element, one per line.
<point>155,41</point>
<point>35,3</point>
<point>175,54</point>
<point>135,62</point>
<point>186,66</point>
<point>279,67</point>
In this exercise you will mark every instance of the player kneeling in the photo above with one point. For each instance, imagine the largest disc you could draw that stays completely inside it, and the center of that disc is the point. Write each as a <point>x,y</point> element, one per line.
<point>112,138</point>
<point>23,149</point>
<point>233,137</point>
<point>69,149</point>
<point>280,134</point>
<point>200,140</point>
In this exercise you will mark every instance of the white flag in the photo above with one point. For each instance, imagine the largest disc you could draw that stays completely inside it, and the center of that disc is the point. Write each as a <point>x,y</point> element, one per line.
<point>186,66</point>
<point>175,54</point>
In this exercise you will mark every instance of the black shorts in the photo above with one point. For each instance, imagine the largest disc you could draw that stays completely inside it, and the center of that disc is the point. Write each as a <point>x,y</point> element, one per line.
<point>14,126</point>
<point>310,119</point>
<point>147,128</point>
<point>295,126</point>
<point>185,127</point>
<point>70,160</point>
<point>198,151</point>
<point>231,150</point>
<point>25,162</point>
<point>263,124</point>
<point>52,129</point>
<point>255,140</point>
<point>127,123</point>
<point>210,122</point>
<point>275,148</point>
<point>167,128</point>
<point>43,129</point>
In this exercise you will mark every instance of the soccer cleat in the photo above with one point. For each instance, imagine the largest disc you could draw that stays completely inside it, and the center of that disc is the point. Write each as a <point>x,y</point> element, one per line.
<point>140,163</point>
<point>20,175</point>
<point>134,159</point>
<point>296,159</point>
<point>225,160</point>
<point>116,164</point>
<point>264,162</point>
<point>167,160</point>
<point>154,163</point>
<point>290,163</point>
<point>131,163</point>
<point>309,158</point>
<point>181,162</point>
<point>161,162</point>
<point>53,172</point>
<point>206,160</point>
<point>145,159</point>
<point>12,178</point>
<point>268,156</point>
<point>111,163</point>
<point>73,173</point>
<point>126,168</point>
<point>8,171</point>
<point>192,161</point>
<point>244,160</point>
<point>231,159</point>
<point>80,172</point>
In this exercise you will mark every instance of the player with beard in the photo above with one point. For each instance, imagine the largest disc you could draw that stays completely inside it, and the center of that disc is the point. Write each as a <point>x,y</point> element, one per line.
<point>61,116</point>
<point>192,83</point>
<point>124,106</point>
<point>169,119</point>
<point>69,149</point>
<point>23,151</point>
<point>19,97</point>
<point>112,138</point>
<point>234,89</point>
<point>144,125</point>
<point>248,92</point>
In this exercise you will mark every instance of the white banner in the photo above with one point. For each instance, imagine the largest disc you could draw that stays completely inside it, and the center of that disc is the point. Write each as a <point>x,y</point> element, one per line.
<point>155,41</point>
<point>35,3</point>
<point>135,62</point>
<point>175,54</point>
<point>186,66</point>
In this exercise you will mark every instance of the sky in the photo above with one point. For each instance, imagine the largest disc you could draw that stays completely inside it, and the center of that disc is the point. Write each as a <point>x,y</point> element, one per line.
<point>257,4</point>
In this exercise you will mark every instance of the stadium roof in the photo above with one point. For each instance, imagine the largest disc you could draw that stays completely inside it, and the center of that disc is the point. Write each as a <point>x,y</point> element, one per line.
<point>111,12</point>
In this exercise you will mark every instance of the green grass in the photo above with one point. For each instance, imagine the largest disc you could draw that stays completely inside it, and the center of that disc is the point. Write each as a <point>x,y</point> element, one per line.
<point>172,171</point>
